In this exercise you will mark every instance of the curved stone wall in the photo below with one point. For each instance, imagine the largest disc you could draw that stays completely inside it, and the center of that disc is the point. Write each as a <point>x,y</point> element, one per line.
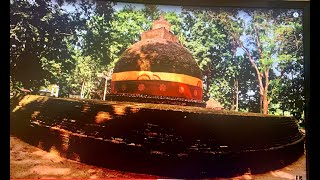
<point>118,133</point>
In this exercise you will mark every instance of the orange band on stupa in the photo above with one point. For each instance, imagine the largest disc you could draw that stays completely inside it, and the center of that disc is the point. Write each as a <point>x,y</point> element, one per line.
<point>157,88</point>
<point>161,76</point>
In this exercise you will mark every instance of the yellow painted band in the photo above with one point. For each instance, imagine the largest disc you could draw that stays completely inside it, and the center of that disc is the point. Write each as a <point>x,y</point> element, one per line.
<point>163,76</point>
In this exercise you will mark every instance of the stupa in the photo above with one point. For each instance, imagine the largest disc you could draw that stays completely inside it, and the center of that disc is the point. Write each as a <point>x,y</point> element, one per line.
<point>158,69</point>
<point>155,111</point>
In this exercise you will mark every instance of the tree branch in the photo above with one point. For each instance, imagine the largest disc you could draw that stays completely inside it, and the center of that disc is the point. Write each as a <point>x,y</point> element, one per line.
<point>254,66</point>
<point>258,40</point>
<point>266,74</point>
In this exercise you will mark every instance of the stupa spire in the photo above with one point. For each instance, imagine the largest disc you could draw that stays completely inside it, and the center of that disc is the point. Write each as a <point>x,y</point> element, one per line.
<point>161,17</point>
<point>160,30</point>
<point>161,23</point>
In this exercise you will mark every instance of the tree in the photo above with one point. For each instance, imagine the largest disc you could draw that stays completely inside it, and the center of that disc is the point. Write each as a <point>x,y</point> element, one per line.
<point>104,40</point>
<point>261,45</point>
<point>291,94</point>
<point>248,94</point>
<point>39,35</point>
<point>212,49</point>
<point>151,12</point>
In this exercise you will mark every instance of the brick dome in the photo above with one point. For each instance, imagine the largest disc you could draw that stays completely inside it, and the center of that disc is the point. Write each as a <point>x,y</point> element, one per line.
<point>158,65</point>
<point>158,55</point>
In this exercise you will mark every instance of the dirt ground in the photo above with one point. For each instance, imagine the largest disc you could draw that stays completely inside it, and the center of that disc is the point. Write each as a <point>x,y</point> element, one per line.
<point>29,162</point>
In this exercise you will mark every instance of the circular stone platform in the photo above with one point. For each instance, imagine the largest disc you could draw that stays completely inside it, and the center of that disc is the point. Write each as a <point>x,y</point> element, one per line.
<point>105,129</point>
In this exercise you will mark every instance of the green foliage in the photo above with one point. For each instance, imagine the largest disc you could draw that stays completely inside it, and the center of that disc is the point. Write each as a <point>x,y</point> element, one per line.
<point>127,26</point>
<point>49,45</point>
<point>151,12</point>
<point>39,31</point>
<point>215,50</point>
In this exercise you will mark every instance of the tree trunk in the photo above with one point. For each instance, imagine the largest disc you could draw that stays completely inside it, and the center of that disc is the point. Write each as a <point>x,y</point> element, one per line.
<point>105,88</point>
<point>232,101</point>
<point>261,102</point>
<point>259,76</point>
<point>265,103</point>
<point>206,97</point>
<point>82,90</point>
<point>236,87</point>
<point>235,97</point>
<point>265,92</point>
